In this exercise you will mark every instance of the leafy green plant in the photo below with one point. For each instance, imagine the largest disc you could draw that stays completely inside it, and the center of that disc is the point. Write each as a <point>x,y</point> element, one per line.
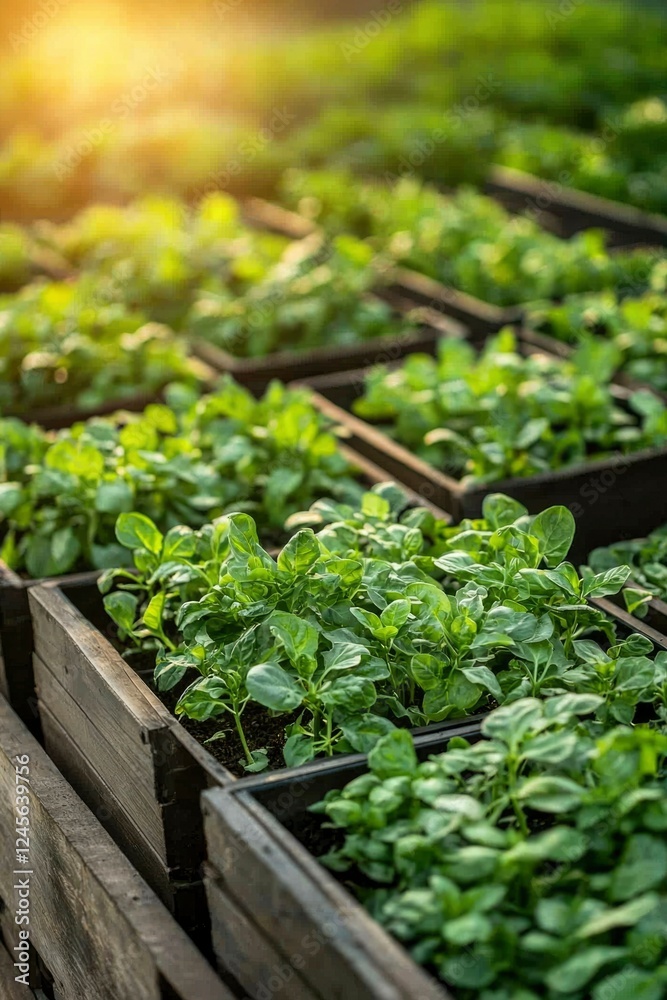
<point>155,254</point>
<point>310,299</point>
<point>530,864</point>
<point>636,327</point>
<point>647,561</point>
<point>629,164</point>
<point>185,462</point>
<point>59,344</point>
<point>14,257</point>
<point>466,240</point>
<point>500,415</point>
<point>362,626</point>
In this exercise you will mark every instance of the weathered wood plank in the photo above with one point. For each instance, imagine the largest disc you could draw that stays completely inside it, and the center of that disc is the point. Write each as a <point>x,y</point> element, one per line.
<point>101,931</point>
<point>91,787</point>
<point>244,951</point>
<point>9,988</point>
<point>303,910</point>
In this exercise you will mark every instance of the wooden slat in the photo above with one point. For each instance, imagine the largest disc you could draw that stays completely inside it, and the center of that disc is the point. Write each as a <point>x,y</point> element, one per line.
<point>16,680</point>
<point>303,910</point>
<point>244,951</point>
<point>93,694</point>
<point>66,753</point>
<point>98,927</point>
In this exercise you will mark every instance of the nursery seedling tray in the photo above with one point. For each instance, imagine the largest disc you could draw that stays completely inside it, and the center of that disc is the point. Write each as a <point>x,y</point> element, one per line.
<point>94,922</point>
<point>575,210</point>
<point>604,496</point>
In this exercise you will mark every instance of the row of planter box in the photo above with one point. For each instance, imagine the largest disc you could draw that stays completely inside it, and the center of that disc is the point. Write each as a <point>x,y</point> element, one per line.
<point>278,924</point>
<point>276,919</point>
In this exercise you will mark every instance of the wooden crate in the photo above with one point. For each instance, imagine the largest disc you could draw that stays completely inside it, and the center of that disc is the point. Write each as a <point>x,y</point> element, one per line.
<point>604,496</point>
<point>256,373</point>
<point>125,754</point>
<point>314,939</point>
<point>94,922</point>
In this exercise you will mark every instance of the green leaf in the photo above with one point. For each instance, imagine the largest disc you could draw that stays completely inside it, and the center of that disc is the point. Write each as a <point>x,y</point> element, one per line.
<point>260,761</point>
<point>621,916</point>
<point>373,505</point>
<point>551,793</point>
<point>299,638</point>
<point>152,617</point>
<point>136,531</point>
<point>500,510</point>
<point>301,552</point>
<point>350,693</point>
<point>393,755</point>
<point>396,614</point>
<point>554,528</point>
<point>274,688</point>
<point>604,584</point>
<point>121,606</point>
<point>11,495</point>
<point>114,498</point>
<point>298,749</point>
<point>643,866</point>
<point>65,550</point>
<point>577,971</point>
<point>363,731</point>
<point>180,542</point>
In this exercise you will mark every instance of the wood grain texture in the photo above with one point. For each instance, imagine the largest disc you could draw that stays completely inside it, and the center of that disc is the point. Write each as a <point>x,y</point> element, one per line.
<point>304,912</point>
<point>248,955</point>
<point>9,988</point>
<point>101,931</point>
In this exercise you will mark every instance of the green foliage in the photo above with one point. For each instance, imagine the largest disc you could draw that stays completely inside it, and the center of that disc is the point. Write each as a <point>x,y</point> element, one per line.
<point>156,254</point>
<point>315,296</point>
<point>187,463</point>
<point>635,327</point>
<point>430,142</point>
<point>647,559</point>
<point>628,162</point>
<point>466,240</point>
<point>530,864</point>
<point>379,619</point>
<point>14,257</point>
<point>60,344</point>
<point>500,415</point>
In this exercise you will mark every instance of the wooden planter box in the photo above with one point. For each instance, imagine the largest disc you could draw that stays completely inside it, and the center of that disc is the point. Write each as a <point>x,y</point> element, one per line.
<point>94,923</point>
<point>278,917</point>
<point>604,496</point>
<point>576,210</point>
<point>296,928</point>
<point>256,373</point>
<point>123,751</point>
<point>480,317</point>
<point>17,682</point>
